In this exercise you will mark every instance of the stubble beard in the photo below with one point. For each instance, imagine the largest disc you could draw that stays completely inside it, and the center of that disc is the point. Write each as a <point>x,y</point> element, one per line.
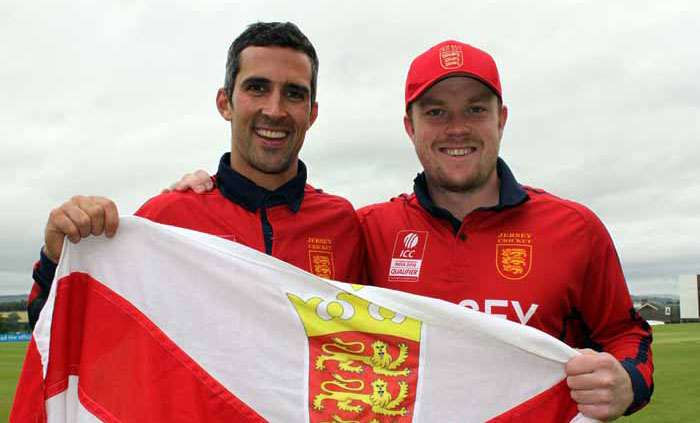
<point>467,184</point>
<point>271,167</point>
<point>274,160</point>
<point>464,186</point>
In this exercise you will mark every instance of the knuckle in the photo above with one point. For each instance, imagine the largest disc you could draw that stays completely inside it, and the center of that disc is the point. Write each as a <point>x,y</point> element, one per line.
<point>72,233</point>
<point>609,361</point>
<point>82,220</point>
<point>107,203</point>
<point>99,202</point>
<point>570,382</point>
<point>92,209</point>
<point>201,175</point>
<point>607,381</point>
<point>55,213</point>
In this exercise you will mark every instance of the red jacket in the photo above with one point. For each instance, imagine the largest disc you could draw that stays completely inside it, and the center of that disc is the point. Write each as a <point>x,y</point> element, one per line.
<point>534,259</point>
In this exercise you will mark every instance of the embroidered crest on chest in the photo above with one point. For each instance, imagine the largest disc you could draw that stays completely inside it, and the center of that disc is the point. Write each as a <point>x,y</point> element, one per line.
<point>321,257</point>
<point>514,254</point>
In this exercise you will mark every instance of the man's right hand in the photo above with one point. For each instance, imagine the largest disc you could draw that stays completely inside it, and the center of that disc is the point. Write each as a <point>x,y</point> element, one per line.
<point>199,181</point>
<point>78,218</point>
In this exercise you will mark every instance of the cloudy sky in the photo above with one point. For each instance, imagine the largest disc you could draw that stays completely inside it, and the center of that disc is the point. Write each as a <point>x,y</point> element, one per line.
<point>117,99</point>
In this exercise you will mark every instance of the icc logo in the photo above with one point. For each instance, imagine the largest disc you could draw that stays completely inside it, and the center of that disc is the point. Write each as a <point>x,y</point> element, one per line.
<point>410,241</point>
<point>407,257</point>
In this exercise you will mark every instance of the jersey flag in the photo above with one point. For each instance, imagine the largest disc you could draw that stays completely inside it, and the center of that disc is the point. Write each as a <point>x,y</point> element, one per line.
<point>161,324</point>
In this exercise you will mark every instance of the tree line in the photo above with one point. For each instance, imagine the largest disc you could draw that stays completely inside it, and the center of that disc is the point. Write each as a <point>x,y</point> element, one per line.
<point>12,324</point>
<point>14,306</point>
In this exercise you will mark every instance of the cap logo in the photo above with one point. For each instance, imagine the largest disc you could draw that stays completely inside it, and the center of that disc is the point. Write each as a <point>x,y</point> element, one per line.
<point>451,56</point>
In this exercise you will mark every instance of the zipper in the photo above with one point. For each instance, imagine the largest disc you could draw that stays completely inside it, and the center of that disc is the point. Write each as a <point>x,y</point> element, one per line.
<point>266,230</point>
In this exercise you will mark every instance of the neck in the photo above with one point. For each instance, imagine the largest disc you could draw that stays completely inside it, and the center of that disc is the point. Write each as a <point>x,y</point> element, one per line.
<point>461,203</point>
<point>269,181</point>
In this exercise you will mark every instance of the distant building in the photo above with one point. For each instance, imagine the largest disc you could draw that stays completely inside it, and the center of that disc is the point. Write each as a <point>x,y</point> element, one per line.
<point>654,311</point>
<point>690,297</point>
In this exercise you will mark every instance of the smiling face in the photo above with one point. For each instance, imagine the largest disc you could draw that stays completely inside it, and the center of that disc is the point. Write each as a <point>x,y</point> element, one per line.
<point>456,128</point>
<point>270,112</point>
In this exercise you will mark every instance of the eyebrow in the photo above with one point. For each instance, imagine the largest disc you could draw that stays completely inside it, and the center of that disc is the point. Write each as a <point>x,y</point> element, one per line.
<point>481,97</point>
<point>266,81</point>
<point>255,80</point>
<point>430,101</point>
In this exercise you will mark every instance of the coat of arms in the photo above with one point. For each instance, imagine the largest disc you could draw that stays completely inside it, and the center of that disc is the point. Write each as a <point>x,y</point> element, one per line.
<point>513,261</point>
<point>363,360</point>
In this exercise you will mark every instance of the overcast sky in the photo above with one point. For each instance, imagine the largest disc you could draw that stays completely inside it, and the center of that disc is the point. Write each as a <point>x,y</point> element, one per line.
<point>117,99</point>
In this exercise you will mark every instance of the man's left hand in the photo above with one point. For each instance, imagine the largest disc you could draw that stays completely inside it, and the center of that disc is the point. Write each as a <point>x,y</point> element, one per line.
<point>599,384</point>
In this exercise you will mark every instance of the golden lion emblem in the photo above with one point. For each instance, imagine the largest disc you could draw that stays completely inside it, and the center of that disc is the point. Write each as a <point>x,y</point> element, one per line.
<point>380,400</point>
<point>514,260</point>
<point>336,419</point>
<point>347,353</point>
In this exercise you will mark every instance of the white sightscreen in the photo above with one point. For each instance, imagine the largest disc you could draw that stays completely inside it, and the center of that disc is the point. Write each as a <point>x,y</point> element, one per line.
<point>689,296</point>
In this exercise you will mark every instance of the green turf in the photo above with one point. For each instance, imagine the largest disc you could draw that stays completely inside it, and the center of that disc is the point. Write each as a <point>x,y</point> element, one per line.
<point>11,359</point>
<point>676,351</point>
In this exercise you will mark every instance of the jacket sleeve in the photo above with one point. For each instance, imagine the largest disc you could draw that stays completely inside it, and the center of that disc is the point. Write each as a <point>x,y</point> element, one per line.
<point>44,271</point>
<point>615,325</point>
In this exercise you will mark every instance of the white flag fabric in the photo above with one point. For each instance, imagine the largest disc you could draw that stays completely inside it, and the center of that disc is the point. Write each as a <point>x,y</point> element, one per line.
<point>161,324</point>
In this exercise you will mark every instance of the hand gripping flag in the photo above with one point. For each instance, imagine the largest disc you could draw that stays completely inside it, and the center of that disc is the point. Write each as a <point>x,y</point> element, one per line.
<point>161,324</point>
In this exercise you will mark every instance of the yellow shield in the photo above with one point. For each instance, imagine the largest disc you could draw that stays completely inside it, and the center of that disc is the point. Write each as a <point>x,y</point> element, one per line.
<point>513,261</point>
<point>363,360</point>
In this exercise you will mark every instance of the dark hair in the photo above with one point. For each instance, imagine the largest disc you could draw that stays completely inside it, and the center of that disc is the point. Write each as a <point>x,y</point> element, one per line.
<point>262,34</point>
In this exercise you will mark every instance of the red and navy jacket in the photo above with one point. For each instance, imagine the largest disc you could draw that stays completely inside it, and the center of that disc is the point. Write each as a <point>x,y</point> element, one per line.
<point>296,223</point>
<point>534,258</point>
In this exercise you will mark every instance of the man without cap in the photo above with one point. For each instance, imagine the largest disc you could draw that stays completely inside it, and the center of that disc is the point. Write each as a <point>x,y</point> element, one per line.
<point>262,199</point>
<point>471,234</point>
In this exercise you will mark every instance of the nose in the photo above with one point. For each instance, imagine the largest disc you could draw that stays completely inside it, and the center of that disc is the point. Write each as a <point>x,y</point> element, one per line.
<point>273,107</point>
<point>457,125</point>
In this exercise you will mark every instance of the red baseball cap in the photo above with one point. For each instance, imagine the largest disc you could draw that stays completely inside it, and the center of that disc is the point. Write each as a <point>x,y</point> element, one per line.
<point>450,58</point>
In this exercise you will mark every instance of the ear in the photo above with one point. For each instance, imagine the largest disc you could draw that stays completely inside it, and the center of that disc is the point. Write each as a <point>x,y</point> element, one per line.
<point>410,130</point>
<point>314,113</point>
<point>502,118</point>
<point>223,104</point>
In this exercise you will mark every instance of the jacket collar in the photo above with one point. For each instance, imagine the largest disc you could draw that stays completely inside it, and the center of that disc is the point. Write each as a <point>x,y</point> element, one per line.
<point>252,197</point>
<point>511,193</point>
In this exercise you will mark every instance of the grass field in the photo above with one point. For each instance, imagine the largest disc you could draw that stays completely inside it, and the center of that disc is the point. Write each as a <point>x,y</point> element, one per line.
<point>11,359</point>
<point>676,359</point>
<point>676,351</point>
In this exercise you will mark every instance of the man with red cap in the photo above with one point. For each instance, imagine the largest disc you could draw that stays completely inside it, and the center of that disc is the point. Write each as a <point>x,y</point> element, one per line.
<point>471,234</point>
